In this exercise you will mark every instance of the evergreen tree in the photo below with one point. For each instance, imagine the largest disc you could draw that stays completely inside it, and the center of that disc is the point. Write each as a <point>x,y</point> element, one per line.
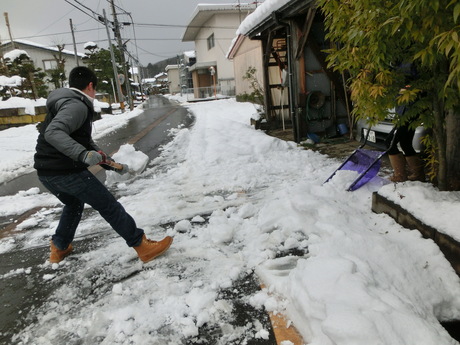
<point>33,85</point>
<point>100,61</point>
<point>372,37</point>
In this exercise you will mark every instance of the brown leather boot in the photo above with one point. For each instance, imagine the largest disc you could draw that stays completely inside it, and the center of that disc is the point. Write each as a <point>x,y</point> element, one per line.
<point>398,163</point>
<point>58,255</point>
<point>416,170</point>
<point>149,250</point>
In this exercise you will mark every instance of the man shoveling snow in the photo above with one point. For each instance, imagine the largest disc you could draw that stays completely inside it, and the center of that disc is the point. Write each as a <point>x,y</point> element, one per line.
<point>65,149</point>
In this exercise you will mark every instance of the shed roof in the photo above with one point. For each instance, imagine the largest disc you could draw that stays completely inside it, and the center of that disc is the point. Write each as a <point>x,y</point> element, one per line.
<point>265,15</point>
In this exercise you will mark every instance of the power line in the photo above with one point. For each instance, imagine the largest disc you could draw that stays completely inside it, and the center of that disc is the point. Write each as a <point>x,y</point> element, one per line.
<point>58,33</point>
<point>186,26</point>
<point>94,14</point>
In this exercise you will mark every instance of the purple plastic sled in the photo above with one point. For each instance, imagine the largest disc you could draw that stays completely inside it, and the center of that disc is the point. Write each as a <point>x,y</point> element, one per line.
<point>365,162</point>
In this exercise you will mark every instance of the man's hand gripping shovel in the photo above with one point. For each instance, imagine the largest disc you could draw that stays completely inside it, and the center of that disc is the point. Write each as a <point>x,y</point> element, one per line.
<point>117,167</point>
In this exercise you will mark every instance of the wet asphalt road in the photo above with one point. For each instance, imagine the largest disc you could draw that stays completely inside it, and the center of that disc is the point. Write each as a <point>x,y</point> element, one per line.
<point>147,132</point>
<point>22,292</point>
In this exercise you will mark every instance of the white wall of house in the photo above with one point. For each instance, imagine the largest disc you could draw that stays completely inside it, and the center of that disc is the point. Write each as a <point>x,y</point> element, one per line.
<point>222,40</point>
<point>173,78</point>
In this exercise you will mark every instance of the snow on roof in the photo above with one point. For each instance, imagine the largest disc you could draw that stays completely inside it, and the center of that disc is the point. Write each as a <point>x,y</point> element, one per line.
<point>168,67</point>
<point>42,46</point>
<point>190,53</point>
<point>260,14</point>
<point>14,54</point>
<point>90,44</point>
<point>161,75</point>
<point>203,12</point>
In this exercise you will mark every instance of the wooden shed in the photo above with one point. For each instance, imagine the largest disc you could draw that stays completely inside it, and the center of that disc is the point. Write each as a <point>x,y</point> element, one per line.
<point>301,93</point>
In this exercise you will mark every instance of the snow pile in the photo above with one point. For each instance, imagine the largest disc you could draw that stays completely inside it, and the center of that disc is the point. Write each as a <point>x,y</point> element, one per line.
<point>417,198</point>
<point>19,102</point>
<point>15,54</point>
<point>98,105</point>
<point>237,201</point>
<point>13,81</point>
<point>17,151</point>
<point>136,161</point>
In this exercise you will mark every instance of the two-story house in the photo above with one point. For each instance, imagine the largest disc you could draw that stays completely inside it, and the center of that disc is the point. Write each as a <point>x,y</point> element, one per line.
<point>212,27</point>
<point>179,76</point>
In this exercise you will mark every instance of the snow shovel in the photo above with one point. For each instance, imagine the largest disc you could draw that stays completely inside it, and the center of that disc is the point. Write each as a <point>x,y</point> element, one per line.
<point>365,162</point>
<point>114,165</point>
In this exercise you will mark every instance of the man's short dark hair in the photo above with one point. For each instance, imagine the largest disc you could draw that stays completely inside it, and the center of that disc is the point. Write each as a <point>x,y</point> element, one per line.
<point>81,76</point>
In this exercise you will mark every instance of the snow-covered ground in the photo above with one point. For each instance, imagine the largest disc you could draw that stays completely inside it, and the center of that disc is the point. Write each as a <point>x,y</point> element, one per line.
<point>236,200</point>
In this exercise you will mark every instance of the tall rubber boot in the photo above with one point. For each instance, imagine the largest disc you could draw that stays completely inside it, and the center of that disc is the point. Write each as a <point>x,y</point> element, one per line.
<point>416,171</point>
<point>398,163</point>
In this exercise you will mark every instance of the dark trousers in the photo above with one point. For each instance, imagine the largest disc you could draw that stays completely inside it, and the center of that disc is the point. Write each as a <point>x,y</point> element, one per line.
<point>76,190</point>
<point>404,137</point>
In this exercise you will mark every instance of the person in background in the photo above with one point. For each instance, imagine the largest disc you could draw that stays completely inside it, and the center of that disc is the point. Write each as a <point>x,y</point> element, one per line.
<point>64,151</point>
<point>404,135</point>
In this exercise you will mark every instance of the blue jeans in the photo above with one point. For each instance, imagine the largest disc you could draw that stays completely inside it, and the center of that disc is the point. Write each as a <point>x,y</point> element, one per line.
<point>74,191</point>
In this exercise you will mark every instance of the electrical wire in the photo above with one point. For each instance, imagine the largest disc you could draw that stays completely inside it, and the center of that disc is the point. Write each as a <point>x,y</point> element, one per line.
<point>94,14</point>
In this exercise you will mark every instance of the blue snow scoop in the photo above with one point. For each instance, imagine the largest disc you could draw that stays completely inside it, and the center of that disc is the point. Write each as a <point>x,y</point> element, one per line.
<point>365,162</point>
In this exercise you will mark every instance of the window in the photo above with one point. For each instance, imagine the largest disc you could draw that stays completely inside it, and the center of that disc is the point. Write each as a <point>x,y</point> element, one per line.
<point>211,42</point>
<point>49,64</point>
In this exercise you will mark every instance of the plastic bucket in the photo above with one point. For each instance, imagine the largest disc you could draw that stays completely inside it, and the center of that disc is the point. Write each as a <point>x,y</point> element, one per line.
<point>342,128</point>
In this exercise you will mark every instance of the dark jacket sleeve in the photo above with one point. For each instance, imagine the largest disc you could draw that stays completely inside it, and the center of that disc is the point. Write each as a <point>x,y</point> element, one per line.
<point>94,146</point>
<point>70,116</point>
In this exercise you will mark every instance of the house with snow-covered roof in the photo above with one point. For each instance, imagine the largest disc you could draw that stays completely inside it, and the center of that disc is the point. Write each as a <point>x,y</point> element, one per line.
<point>44,57</point>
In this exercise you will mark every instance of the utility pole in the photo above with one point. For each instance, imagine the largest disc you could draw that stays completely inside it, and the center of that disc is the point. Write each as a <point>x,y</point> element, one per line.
<point>74,44</point>
<point>114,65</point>
<point>139,67</point>
<point>122,54</point>
<point>9,30</point>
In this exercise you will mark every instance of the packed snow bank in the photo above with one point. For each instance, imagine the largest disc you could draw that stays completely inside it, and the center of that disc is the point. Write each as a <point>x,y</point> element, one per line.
<point>19,102</point>
<point>428,204</point>
<point>237,200</point>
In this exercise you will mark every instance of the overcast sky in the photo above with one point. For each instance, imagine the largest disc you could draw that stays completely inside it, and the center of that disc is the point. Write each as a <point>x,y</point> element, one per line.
<point>159,25</point>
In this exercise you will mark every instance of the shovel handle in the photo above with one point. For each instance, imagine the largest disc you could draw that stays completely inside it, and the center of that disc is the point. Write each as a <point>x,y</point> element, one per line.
<point>109,162</point>
<point>113,164</point>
